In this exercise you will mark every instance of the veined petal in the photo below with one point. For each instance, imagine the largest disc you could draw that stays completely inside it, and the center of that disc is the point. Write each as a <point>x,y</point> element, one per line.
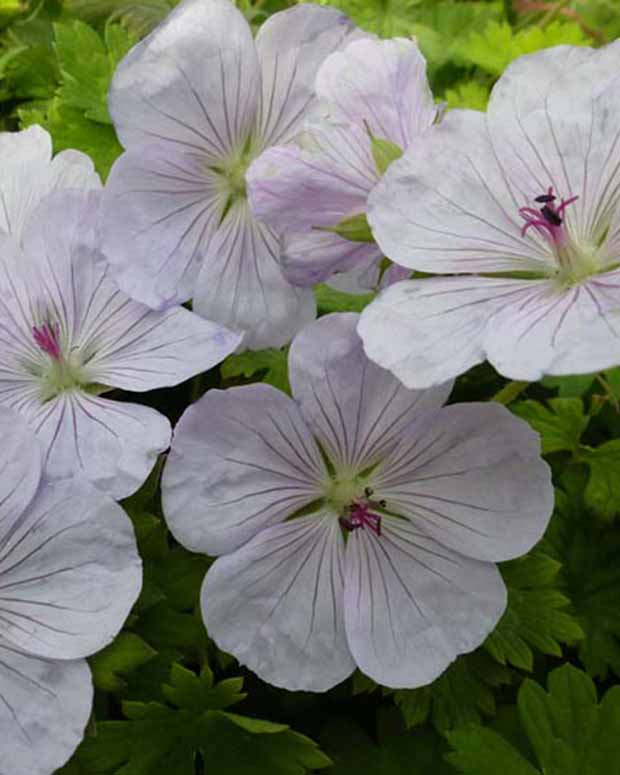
<point>547,329</point>
<point>241,460</point>
<point>193,83</point>
<point>446,206</point>
<point>241,284</point>
<point>20,465</point>
<point>276,604</point>
<point>412,605</point>
<point>548,130</point>
<point>428,331</point>
<point>69,572</point>
<point>136,348</point>
<point>381,84</point>
<point>111,443</point>
<point>315,256</point>
<point>160,209</point>
<point>356,409</point>
<point>293,188</point>
<point>44,709</point>
<point>471,477</point>
<point>29,173</point>
<point>291,47</point>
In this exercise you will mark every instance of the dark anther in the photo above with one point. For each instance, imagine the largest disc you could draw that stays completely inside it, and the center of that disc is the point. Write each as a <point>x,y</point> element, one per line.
<point>545,198</point>
<point>382,503</point>
<point>368,491</point>
<point>551,216</point>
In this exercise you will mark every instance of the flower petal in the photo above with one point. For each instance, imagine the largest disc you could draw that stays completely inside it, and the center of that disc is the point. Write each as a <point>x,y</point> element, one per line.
<point>412,606</point>
<point>291,47</point>
<point>241,460</point>
<point>471,477</point>
<point>446,207</point>
<point>69,572</point>
<point>44,709</point>
<point>552,330</point>
<point>293,189</point>
<point>20,465</point>
<point>193,83</point>
<point>160,208</point>
<point>315,256</point>
<point>241,284</point>
<point>381,84</point>
<point>355,408</point>
<point>428,331</point>
<point>113,444</point>
<point>29,173</point>
<point>276,604</point>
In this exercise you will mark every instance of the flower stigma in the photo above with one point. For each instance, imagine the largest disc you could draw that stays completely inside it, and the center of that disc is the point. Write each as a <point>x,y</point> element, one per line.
<point>61,372</point>
<point>355,505</point>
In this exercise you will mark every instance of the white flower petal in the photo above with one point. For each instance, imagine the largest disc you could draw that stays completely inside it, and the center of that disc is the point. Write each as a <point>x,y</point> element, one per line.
<point>192,83</point>
<point>20,465</point>
<point>69,572</point>
<point>551,330</point>
<point>292,188</point>
<point>29,173</point>
<point>412,606</point>
<point>291,47</point>
<point>241,284</point>
<point>44,709</point>
<point>383,84</point>
<point>113,444</point>
<point>446,207</point>
<point>160,208</point>
<point>276,604</point>
<point>428,331</point>
<point>355,408</point>
<point>241,460</point>
<point>471,477</point>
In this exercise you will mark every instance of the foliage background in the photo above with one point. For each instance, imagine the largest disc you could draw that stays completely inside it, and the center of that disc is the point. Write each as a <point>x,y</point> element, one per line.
<point>542,694</point>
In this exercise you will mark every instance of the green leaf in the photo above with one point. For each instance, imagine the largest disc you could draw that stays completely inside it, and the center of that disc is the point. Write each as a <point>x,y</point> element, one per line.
<point>570,387</point>
<point>139,17</point>
<point>460,696</point>
<point>570,733</point>
<point>158,737</point>
<point>560,422</point>
<point>470,94</point>
<point>395,752</point>
<point>384,152</point>
<point>590,575</point>
<point>498,45</point>
<point>536,615</point>
<point>269,366</point>
<point>330,300</point>
<point>125,654</point>
<point>602,494</point>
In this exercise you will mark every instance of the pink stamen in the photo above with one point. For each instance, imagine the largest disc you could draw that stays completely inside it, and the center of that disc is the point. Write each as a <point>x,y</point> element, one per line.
<point>548,220</point>
<point>361,516</point>
<point>47,337</point>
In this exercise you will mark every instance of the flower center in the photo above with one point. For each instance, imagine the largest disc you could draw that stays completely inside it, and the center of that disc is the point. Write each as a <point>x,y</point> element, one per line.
<point>575,262</point>
<point>60,373</point>
<point>353,501</point>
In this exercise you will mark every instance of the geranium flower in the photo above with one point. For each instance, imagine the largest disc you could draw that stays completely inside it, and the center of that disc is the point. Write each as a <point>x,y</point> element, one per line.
<point>28,173</point>
<point>67,334</point>
<point>193,104</point>
<point>358,522</point>
<point>69,574</point>
<point>371,90</point>
<point>522,204</point>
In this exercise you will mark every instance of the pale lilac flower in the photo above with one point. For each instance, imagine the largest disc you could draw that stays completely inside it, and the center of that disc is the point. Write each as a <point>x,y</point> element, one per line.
<point>523,206</point>
<point>67,334</point>
<point>371,89</point>
<point>28,173</point>
<point>69,574</point>
<point>193,104</point>
<point>358,522</point>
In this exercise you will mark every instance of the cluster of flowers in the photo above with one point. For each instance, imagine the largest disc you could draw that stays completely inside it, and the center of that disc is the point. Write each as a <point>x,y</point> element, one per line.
<point>356,524</point>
